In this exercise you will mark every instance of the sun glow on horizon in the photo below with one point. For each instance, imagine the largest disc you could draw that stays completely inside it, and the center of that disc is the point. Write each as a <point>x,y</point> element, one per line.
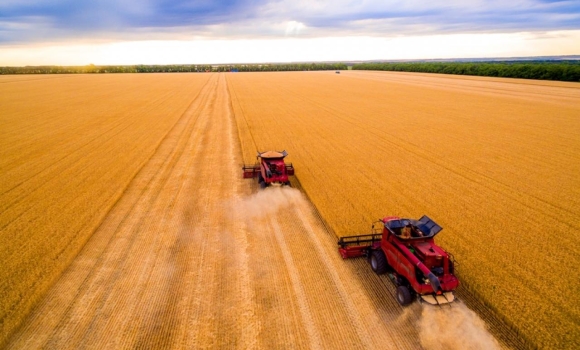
<point>350,48</point>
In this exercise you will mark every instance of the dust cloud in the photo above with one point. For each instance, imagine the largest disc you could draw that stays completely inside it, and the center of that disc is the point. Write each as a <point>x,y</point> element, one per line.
<point>455,327</point>
<point>267,202</point>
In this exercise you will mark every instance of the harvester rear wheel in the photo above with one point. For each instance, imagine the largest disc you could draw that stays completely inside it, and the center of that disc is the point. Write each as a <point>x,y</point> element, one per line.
<point>404,295</point>
<point>261,181</point>
<point>379,262</point>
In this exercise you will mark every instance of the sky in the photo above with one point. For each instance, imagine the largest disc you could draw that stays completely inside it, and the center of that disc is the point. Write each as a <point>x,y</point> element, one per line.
<point>115,32</point>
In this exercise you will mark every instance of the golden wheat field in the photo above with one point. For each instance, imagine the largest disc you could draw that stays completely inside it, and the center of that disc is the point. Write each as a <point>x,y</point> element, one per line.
<point>69,148</point>
<point>494,161</point>
<point>125,222</point>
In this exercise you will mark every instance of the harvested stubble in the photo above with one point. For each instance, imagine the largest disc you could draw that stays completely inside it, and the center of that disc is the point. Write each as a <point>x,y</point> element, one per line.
<point>494,161</point>
<point>69,145</point>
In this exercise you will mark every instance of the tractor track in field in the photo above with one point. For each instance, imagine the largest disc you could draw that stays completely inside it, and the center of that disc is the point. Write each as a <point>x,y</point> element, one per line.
<point>194,257</point>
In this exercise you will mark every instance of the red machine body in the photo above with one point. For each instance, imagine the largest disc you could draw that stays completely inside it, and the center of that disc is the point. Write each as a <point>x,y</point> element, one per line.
<point>406,250</point>
<point>270,169</point>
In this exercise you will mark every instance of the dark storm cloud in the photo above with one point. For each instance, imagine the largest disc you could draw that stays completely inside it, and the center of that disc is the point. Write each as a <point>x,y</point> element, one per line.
<point>34,20</point>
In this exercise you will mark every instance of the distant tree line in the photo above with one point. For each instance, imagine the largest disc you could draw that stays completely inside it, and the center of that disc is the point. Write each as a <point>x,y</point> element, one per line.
<point>545,70</point>
<point>282,67</point>
<point>103,69</point>
<point>92,69</point>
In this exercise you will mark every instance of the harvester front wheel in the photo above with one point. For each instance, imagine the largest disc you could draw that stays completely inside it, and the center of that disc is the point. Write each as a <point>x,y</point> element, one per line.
<point>379,262</point>
<point>404,295</point>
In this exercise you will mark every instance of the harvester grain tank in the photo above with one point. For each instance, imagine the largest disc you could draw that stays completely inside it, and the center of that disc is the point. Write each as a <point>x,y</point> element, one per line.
<point>270,169</point>
<point>406,251</point>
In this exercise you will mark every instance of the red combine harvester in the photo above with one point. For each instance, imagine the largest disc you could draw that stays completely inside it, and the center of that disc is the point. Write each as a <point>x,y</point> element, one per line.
<point>405,249</point>
<point>270,169</point>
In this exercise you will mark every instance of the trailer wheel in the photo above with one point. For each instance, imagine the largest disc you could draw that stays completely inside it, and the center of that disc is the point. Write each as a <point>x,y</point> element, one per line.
<point>404,295</point>
<point>263,184</point>
<point>379,262</point>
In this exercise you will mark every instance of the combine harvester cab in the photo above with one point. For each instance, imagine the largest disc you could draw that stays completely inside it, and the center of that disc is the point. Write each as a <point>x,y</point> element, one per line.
<point>406,251</point>
<point>270,169</point>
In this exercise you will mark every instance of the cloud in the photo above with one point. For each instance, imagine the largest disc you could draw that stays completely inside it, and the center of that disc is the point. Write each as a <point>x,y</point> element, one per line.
<point>24,21</point>
<point>294,28</point>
